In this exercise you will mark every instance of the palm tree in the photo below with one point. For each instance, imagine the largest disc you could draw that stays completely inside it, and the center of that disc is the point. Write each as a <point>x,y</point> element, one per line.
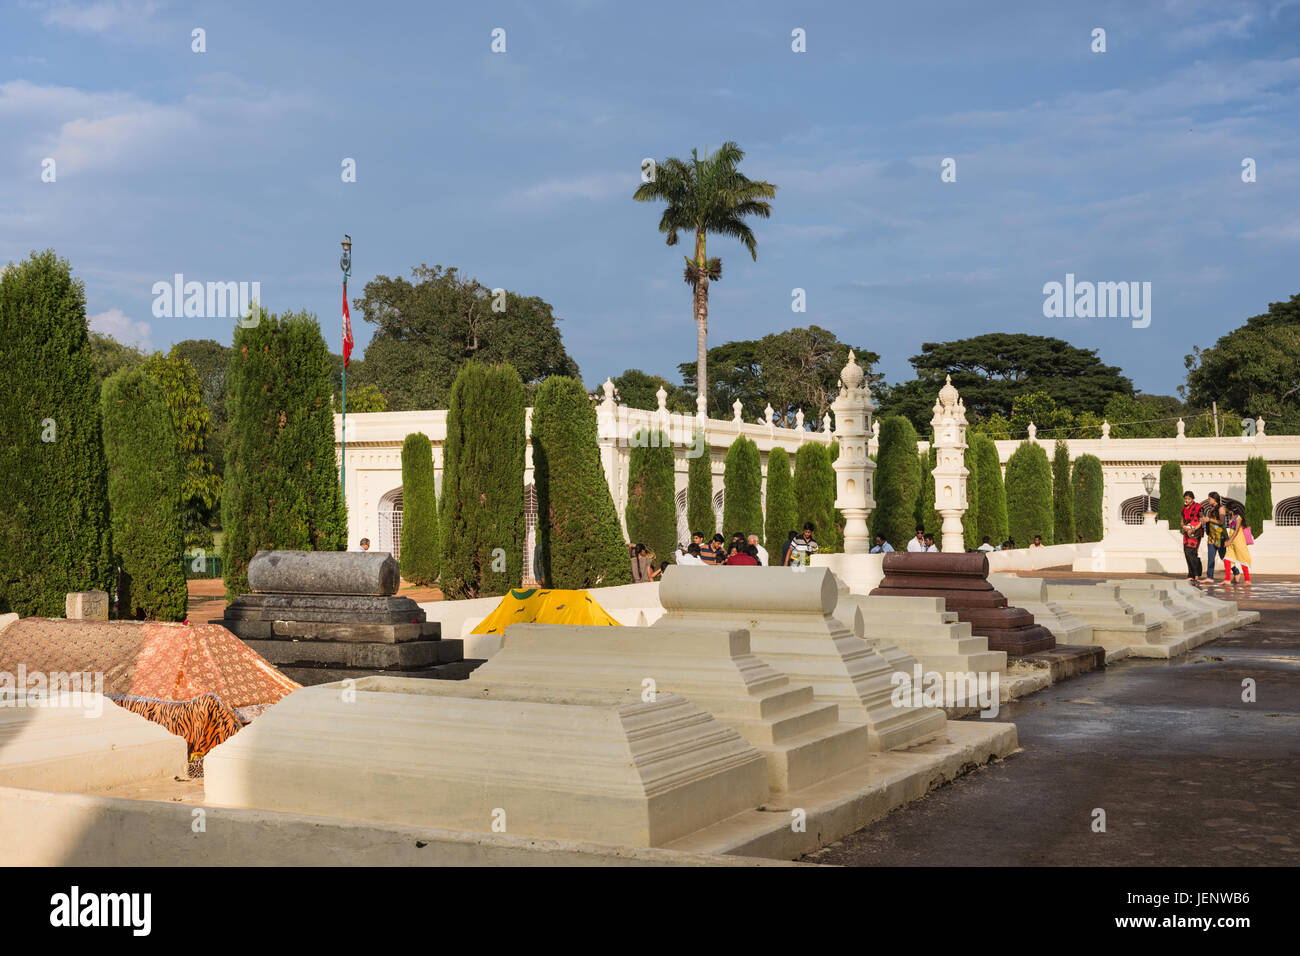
<point>706,195</point>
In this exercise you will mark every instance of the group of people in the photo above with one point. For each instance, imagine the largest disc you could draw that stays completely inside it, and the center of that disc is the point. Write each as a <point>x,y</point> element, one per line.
<point>743,550</point>
<point>924,541</point>
<point>1226,535</point>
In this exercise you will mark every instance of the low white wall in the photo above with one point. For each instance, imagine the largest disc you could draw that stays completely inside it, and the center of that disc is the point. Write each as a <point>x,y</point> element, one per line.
<point>1034,559</point>
<point>44,828</point>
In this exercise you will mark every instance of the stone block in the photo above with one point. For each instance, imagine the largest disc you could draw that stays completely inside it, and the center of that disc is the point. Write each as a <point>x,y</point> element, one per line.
<point>325,608</point>
<point>804,741</point>
<point>71,749</point>
<point>310,675</point>
<point>792,628</point>
<point>86,606</point>
<point>324,572</point>
<point>411,654</point>
<point>350,632</point>
<point>529,762</point>
<point>922,627</point>
<point>1115,624</point>
<point>1031,594</point>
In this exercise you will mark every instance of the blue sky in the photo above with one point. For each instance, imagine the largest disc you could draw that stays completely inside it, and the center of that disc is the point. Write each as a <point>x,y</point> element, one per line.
<point>518,167</point>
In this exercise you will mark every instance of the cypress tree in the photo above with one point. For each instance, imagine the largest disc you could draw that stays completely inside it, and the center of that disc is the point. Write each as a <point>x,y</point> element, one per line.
<point>1259,494</point>
<point>420,555</point>
<point>1029,494</point>
<point>970,524</point>
<point>814,490</point>
<point>1087,482</point>
<point>742,489</point>
<point>582,542</point>
<point>54,524</point>
<point>1062,495</point>
<point>898,482</point>
<point>651,509</point>
<point>1170,507</point>
<point>482,515</point>
<point>838,523</point>
<point>993,496</point>
<point>145,497</point>
<point>781,516</point>
<point>699,491</point>
<point>281,488</point>
<point>926,515</point>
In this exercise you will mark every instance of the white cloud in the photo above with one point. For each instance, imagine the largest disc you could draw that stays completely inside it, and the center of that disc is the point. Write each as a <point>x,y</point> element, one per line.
<point>120,326</point>
<point>102,16</point>
<point>592,186</point>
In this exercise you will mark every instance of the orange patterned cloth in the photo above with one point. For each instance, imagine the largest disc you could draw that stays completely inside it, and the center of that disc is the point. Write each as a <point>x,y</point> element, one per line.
<point>175,662</point>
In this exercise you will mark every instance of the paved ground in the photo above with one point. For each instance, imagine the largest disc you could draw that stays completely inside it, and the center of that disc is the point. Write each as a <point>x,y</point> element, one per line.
<point>1186,772</point>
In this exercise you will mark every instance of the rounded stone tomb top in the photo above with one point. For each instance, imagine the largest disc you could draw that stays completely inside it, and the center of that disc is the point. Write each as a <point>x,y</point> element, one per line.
<point>753,590</point>
<point>369,573</point>
<point>851,375</point>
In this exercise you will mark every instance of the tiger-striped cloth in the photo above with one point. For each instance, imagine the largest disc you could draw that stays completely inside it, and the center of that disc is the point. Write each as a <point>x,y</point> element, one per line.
<point>204,721</point>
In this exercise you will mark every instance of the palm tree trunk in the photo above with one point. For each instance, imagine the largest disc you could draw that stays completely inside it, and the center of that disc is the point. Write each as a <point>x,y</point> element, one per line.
<point>701,295</point>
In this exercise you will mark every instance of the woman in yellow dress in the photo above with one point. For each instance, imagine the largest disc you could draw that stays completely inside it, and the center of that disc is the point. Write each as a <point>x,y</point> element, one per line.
<point>1236,549</point>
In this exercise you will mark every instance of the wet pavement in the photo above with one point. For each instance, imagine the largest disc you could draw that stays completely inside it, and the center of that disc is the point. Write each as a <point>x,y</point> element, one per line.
<point>1185,771</point>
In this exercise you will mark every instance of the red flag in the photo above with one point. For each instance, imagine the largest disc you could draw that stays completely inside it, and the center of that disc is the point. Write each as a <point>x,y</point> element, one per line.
<point>347,328</point>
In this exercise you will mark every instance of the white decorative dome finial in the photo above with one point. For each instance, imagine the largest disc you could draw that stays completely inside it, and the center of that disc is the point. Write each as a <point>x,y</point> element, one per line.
<point>948,394</point>
<point>851,375</point>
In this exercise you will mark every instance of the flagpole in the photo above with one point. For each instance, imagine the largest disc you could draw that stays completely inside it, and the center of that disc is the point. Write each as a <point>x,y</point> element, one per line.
<point>345,263</point>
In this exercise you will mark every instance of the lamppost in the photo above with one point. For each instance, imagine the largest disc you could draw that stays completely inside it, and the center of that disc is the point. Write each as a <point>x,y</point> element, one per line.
<point>1149,483</point>
<point>345,263</point>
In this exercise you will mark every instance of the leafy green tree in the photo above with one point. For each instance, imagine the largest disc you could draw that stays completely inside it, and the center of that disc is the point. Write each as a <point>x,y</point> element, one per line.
<point>429,328</point>
<point>421,547</point>
<point>833,450</point>
<point>699,491</point>
<point>651,503</point>
<point>1255,369</point>
<point>211,360</point>
<point>581,540</point>
<point>1259,494</point>
<point>1062,496</point>
<point>1040,409</point>
<point>993,370</point>
<point>481,520</point>
<point>145,497</point>
<point>708,195</point>
<point>1171,494</point>
<point>1029,495</point>
<point>1087,482</point>
<point>814,493</point>
<point>54,524</point>
<point>992,494</point>
<point>742,487</point>
<point>281,489</point>
<point>734,372</point>
<point>898,481</point>
<point>109,355</point>
<point>970,523</point>
<point>362,399</point>
<point>636,389</point>
<point>192,425</point>
<point>781,514</point>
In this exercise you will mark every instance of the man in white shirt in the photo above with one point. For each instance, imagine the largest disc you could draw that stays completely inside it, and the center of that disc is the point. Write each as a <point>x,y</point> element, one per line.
<point>929,544</point>
<point>689,556</point>
<point>762,551</point>
<point>881,546</point>
<point>1038,541</point>
<point>917,543</point>
<point>986,546</point>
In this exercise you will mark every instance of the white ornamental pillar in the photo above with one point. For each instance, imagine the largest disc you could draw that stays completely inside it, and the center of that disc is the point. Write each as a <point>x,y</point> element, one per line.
<point>853,469</point>
<point>949,423</point>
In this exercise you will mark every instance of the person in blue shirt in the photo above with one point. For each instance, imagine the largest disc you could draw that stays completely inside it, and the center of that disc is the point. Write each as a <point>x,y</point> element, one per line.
<point>881,546</point>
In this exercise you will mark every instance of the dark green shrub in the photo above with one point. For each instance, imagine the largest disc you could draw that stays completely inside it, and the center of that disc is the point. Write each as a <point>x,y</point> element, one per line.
<point>992,493</point>
<point>814,492</point>
<point>481,521</point>
<point>781,515</point>
<point>145,499</point>
<point>651,506</point>
<point>281,487</point>
<point>421,548</point>
<point>742,489</point>
<point>582,541</point>
<point>1259,494</point>
<point>699,491</point>
<point>1171,494</point>
<point>970,523</point>
<point>1029,494</point>
<point>54,523</point>
<point>1087,481</point>
<point>898,482</point>
<point>1062,495</point>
